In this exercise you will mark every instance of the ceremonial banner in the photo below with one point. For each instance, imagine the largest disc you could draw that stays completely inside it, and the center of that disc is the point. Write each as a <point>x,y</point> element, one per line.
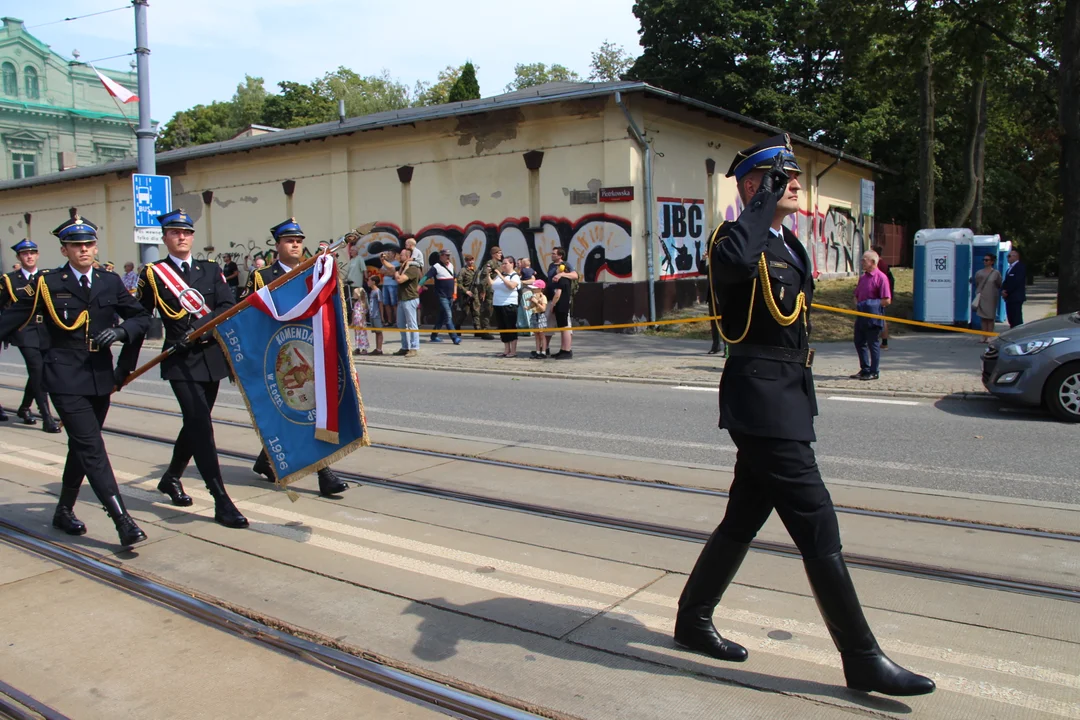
<point>290,355</point>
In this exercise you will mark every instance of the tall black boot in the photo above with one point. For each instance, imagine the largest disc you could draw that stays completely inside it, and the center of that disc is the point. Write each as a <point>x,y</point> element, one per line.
<point>331,484</point>
<point>225,513</point>
<point>263,467</point>
<point>866,667</point>
<point>170,485</point>
<point>715,569</point>
<point>126,528</point>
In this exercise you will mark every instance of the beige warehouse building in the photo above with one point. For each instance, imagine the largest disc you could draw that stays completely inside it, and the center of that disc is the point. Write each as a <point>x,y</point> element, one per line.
<point>627,177</point>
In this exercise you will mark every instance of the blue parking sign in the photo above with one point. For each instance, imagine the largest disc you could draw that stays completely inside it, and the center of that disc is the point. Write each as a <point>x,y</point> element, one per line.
<point>153,197</point>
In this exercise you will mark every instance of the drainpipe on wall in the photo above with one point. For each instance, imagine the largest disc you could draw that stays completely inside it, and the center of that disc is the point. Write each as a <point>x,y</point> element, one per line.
<point>647,192</point>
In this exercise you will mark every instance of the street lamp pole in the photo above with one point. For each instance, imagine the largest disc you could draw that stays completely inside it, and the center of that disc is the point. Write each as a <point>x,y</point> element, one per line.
<point>145,133</point>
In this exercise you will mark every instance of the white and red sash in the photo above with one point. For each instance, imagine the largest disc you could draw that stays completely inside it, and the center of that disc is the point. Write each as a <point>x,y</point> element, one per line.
<point>189,298</point>
<point>322,284</point>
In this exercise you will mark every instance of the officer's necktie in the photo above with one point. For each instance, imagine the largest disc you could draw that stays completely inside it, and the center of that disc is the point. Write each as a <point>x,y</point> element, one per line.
<point>184,269</point>
<point>85,282</point>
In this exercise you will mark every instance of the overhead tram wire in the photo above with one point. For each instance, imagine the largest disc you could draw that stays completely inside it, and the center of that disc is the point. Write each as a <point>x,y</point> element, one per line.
<point>78,17</point>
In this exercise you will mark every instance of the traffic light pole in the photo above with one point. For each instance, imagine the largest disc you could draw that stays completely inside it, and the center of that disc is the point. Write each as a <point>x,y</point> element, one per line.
<point>145,133</point>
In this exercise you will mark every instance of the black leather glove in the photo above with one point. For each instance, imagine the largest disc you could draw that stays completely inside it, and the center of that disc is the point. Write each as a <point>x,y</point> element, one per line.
<point>108,336</point>
<point>183,344</point>
<point>776,178</point>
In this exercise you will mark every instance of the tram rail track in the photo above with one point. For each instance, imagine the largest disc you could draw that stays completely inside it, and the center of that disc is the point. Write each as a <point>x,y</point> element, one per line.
<point>668,487</point>
<point>919,570</point>
<point>17,705</point>
<point>440,693</point>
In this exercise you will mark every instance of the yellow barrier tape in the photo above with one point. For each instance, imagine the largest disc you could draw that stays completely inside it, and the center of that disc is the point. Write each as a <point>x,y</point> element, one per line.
<point>950,328</point>
<point>683,321</point>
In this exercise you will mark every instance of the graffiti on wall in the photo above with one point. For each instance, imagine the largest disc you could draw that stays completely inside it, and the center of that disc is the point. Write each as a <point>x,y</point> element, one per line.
<point>682,237</point>
<point>833,240</point>
<point>597,246</point>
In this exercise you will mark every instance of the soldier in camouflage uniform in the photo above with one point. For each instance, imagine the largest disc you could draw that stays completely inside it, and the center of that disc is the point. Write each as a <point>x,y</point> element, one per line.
<point>468,300</point>
<point>483,285</point>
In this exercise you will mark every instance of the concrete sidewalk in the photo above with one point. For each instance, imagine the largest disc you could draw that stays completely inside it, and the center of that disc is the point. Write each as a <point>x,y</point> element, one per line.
<point>921,364</point>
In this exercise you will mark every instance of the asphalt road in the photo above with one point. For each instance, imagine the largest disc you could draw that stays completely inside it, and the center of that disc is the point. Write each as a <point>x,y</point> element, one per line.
<point>957,446</point>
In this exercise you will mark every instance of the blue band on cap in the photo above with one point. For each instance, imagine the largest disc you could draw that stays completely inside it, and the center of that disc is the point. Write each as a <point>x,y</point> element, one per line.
<point>760,158</point>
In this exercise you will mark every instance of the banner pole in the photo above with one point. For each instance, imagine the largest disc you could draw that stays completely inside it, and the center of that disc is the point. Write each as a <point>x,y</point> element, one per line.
<point>196,334</point>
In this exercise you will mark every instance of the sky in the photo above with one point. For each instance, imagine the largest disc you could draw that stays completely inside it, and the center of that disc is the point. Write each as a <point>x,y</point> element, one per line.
<point>201,49</point>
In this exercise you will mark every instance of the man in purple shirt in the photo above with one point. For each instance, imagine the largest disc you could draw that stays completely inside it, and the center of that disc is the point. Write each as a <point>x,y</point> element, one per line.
<point>872,295</point>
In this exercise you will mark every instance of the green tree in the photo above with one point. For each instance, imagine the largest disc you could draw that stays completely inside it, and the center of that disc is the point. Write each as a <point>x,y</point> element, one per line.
<point>538,74</point>
<point>363,95</point>
<point>438,93</point>
<point>247,103</point>
<point>297,105</point>
<point>609,63</point>
<point>466,87</point>
<point>197,126</point>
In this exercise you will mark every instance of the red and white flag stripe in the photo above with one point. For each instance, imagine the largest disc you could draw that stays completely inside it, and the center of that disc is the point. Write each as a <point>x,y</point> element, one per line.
<point>115,89</point>
<point>322,284</point>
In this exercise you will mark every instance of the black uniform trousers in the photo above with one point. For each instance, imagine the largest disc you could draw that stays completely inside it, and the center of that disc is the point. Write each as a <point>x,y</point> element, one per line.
<point>83,417</point>
<point>34,392</point>
<point>781,474</point>
<point>196,437</point>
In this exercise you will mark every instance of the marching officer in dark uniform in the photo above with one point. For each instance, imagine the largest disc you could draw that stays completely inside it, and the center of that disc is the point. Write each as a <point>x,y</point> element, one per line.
<point>762,278</point>
<point>78,304</point>
<point>290,251</point>
<point>32,340</point>
<point>188,293</point>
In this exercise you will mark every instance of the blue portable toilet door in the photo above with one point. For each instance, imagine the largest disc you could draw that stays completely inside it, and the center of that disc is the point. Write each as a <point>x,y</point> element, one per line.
<point>940,256</point>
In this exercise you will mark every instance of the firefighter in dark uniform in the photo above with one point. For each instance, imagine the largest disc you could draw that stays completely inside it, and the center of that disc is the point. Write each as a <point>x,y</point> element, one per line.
<point>78,304</point>
<point>18,287</point>
<point>762,278</point>
<point>194,369</point>
<point>290,250</point>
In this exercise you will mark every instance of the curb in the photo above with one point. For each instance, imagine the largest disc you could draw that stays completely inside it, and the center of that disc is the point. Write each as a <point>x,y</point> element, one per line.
<point>966,396</point>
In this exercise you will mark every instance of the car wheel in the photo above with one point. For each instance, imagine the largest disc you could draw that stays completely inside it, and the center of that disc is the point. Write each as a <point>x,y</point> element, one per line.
<point>1062,393</point>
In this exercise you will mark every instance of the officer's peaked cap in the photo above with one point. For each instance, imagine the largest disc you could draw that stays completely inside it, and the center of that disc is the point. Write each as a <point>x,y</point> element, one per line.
<point>289,228</point>
<point>76,230</point>
<point>761,156</point>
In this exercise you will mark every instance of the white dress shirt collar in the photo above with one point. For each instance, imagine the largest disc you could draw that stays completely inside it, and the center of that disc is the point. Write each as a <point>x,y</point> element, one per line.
<point>26,273</point>
<point>79,276</point>
<point>180,263</point>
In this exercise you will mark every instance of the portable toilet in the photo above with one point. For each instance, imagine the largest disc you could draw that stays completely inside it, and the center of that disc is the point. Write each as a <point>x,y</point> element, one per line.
<point>942,291</point>
<point>981,246</point>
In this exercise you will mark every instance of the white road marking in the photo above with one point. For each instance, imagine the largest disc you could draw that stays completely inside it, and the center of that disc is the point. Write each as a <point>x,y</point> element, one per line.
<point>696,389</point>
<point>879,401</point>
<point>310,531</point>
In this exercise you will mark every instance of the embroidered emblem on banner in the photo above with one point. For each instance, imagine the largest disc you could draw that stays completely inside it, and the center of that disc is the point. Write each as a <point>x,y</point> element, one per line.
<point>289,371</point>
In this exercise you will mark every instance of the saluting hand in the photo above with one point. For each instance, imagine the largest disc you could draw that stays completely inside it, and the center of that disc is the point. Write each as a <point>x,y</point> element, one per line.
<point>776,178</point>
<point>108,336</point>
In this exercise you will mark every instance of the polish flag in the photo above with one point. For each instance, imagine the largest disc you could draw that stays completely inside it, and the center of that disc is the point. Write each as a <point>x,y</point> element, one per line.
<point>117,90</point>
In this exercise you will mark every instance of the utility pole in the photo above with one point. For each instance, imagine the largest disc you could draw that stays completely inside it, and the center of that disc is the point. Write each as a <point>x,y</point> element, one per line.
<point>146,136</point>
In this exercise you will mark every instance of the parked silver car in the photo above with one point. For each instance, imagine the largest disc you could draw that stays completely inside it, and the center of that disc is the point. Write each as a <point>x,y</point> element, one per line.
<point>1038,363</point>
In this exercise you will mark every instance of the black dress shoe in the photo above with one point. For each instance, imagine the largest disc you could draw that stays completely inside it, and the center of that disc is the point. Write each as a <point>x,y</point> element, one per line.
<point>3,415</point>
<point>225,513</point>
<point>126,529</point>
<point>64,519</point>
<point>870,376</point>
<point>714,349</point>
<point>330,484</point>
<point>858,376</point>
<point>263,467</point>
<point>171,486</point>
<point>50,424</point>
<point>26,417</point>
